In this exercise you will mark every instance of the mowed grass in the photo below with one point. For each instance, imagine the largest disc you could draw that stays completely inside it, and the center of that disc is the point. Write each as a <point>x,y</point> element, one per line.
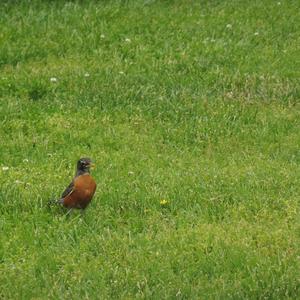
<point>191,102</point>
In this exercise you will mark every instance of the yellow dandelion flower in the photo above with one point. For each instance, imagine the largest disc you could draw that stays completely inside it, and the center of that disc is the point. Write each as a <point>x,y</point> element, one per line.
<point>163,202</point>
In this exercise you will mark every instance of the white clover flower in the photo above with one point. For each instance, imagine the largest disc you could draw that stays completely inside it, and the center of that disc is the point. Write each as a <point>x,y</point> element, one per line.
<point>25,160</point>
<point>102,36</point>
<point>53,79</point>
<point>5,168</point>
<point>229,26</point>
<point>127,40</point>
<point>86,75</point>
<point>121,72</point>
<point>256,33</point>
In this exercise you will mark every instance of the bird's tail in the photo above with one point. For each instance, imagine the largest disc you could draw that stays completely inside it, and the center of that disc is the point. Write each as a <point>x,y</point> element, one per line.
<point>55,202</point>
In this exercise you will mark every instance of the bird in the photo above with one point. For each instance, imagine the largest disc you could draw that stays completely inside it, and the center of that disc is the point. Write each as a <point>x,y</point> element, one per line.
<point>81,190</point>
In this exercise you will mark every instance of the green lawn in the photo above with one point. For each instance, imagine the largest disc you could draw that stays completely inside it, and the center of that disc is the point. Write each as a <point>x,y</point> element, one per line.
<point>193,102</point>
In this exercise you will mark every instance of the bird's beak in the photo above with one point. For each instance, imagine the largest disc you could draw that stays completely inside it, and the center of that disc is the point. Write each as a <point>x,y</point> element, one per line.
<point>92,166</point>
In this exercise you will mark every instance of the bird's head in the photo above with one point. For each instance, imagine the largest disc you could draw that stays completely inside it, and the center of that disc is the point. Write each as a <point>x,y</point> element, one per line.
<point>84,164</point>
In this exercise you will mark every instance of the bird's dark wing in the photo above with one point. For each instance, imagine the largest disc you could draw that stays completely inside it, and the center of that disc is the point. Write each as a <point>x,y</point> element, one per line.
<point>68,190</point>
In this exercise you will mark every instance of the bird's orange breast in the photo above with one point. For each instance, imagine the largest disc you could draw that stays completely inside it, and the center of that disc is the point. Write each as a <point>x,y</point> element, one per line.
<point>83,192</point>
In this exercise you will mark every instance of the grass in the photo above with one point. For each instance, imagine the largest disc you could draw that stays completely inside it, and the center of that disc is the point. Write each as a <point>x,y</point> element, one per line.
<point>191,102</point>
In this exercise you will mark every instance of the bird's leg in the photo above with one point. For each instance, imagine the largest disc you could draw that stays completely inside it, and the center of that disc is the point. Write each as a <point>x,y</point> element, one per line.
<point>69,211</point>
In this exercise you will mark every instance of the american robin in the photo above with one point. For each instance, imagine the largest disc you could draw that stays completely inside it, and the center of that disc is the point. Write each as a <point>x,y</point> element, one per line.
<point>81,190</point>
